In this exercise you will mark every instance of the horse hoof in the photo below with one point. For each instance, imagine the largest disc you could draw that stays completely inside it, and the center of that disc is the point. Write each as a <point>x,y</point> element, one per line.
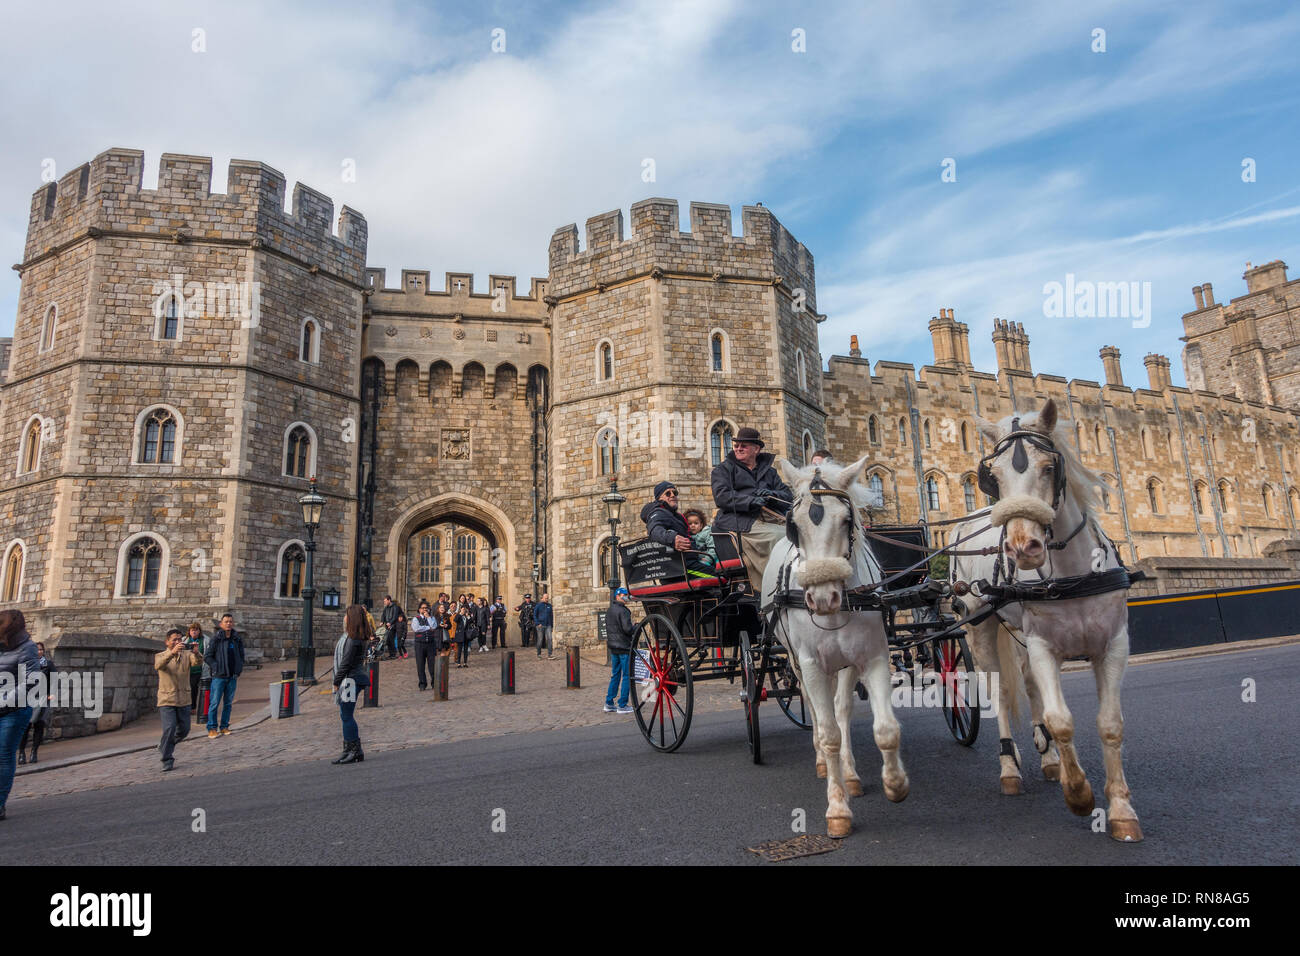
<point>898,794</point>
<point>1080,802</point>
<point>1052,771</point>
<point>1011,786</point>
<point>839,827</point>
<point>821,771</point>
<point>1126,831</point>
<point>853,787</point>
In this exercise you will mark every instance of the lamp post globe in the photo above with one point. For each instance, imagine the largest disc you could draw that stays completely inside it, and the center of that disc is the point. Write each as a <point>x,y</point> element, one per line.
<point>312,505</point>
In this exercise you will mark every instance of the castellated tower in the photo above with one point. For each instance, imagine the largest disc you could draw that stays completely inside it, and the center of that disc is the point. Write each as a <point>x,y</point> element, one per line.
<point>183,362</point>
<point>667,343</point>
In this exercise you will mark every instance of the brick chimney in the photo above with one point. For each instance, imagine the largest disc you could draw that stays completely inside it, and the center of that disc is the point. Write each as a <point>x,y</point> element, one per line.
<point>1022,349</point>
<point>941,338</point>
<point>1002,345</point>
<point>1110,361</point>
<point>1263,277</point>
<point>1199,295</point>
<point>1209,295</point>
<point>1157,371</point>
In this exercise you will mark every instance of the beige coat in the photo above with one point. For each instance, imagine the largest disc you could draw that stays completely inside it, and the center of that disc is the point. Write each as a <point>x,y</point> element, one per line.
<point>173,669</point>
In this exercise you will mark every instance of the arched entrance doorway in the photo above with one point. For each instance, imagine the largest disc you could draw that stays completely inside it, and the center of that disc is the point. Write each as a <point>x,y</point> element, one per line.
<point>452,553</point>
<point>453,543</point>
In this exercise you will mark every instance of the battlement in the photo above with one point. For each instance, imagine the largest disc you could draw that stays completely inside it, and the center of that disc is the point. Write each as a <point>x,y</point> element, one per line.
<point>457,285</point>
<point>108,194</point>
<point>656,236</point>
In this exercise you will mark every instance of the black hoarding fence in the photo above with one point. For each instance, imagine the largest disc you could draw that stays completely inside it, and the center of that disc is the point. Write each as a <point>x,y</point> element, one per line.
<point>1194,618</point>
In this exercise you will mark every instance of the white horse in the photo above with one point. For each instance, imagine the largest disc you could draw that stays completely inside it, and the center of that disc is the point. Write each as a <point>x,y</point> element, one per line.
<point>1043,527</point>
<point>829,646</point>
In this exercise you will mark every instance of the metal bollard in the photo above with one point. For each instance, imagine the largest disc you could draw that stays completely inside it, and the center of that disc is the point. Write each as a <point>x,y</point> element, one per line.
<point>507,672</point>
<point>286,695</point>
<point>372,692</point>
<point>573,667</point>
<point>205,697</point>
<point>440,677</point>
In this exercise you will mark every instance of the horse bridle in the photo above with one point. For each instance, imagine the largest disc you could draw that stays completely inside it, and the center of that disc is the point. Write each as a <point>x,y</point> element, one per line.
<point>988,482</point>
<point>816,512</point>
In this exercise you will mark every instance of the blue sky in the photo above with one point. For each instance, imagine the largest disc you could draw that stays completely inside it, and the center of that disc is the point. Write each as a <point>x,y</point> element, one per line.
<point>1117,166</point>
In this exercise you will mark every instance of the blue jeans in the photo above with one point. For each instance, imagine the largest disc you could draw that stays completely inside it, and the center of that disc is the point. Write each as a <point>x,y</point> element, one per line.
<point>351,732</point>
<point>223,689</point>
<point>12,725</point>
<point>621,670</point>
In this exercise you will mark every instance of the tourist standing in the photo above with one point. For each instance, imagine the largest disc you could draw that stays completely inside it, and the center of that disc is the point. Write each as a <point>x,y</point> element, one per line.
<point>173,666</point>
<point>498,614</point>
<point>225,660</point>
<point>41,711</point>
<point>466,630</point>
<point>544,621</point>
<point>618,638</point>
<point>483,617</point>
<point>350,678</point>
<point>16,651</point>
<point>197,642</point>
<point>425,627</point>
<point>390,617</point>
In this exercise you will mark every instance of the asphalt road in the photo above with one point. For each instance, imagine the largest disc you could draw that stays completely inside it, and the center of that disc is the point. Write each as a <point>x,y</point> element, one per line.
<point>1214,780</point>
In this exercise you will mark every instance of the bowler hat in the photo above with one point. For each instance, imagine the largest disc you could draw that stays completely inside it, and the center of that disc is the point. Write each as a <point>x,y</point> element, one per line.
<point>749,435</point>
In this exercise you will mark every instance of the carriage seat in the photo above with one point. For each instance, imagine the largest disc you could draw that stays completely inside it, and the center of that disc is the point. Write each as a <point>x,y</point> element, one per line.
<point>730,563</point>
<point>654,570</point>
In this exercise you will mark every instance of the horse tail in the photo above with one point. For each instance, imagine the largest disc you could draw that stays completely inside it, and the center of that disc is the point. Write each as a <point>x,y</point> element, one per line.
<point>1009,671</point>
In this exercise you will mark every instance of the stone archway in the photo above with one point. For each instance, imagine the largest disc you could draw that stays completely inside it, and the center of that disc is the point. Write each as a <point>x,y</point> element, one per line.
<point>470,514</point>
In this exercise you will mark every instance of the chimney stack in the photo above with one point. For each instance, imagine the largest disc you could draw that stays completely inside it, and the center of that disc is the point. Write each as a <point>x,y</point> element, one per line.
<point>854,351</point>
<point>1110,361</point>
<point>1022,349</point>
<point>1199,294</point>
<point>1001,346</point>
<point>1209,295</point>
<point>1157,371</point>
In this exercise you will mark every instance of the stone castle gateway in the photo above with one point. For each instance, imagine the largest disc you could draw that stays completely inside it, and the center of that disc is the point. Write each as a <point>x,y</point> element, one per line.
<point>184,361</point>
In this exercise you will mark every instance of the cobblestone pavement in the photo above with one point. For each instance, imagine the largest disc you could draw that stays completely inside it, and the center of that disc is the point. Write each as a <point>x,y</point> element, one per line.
<point>406,718</point>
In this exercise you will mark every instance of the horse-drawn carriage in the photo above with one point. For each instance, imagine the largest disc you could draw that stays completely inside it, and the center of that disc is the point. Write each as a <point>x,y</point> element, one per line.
<point>701,627</point>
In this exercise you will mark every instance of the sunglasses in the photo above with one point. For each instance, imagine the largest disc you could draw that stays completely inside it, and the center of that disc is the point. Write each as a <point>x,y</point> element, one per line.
<point>670,494</point>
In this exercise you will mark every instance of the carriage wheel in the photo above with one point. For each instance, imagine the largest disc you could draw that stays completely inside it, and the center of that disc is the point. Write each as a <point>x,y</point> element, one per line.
<point>661,683</point>
<point>753,692</point>
<point>794,706</point>
<point>952,664</point>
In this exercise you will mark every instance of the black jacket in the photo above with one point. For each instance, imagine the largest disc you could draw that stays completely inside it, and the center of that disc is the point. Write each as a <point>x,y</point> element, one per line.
<point>664,524</point>
<point>734,488</point>
<point>618,628</point>
<point>391,614</point>
<point>498,612</point>
<point>354,654</point>
<point>483,615</point>
<point>225,655</point>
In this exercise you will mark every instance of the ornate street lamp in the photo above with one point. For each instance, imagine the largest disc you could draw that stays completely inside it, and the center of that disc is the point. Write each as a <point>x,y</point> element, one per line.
<point>613,505</point>
<point>312,505</point>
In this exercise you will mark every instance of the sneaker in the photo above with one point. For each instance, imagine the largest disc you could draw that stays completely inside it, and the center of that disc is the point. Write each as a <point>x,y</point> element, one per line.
<point>168,765</point>
<point>213,735</point>
<point>609,708</point>
<point>550,657</point>
<point>226,731</point>
<point>625,710</point>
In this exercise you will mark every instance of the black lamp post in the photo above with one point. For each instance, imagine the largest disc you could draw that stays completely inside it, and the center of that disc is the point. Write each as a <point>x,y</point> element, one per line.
<point>613,505</point>
<point>312,505</point>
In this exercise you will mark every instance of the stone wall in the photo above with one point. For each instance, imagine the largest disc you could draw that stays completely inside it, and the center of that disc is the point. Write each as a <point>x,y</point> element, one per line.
<point>1167,575</point>
<point>130,683</point>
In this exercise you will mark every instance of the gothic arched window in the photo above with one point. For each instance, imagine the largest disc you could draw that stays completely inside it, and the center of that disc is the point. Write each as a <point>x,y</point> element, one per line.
<point>292,562</point>
<point>143,568</point>
<point>158,438</point>
<point>297,456</point>
<point>719,442</point>
<point>607,450</point>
